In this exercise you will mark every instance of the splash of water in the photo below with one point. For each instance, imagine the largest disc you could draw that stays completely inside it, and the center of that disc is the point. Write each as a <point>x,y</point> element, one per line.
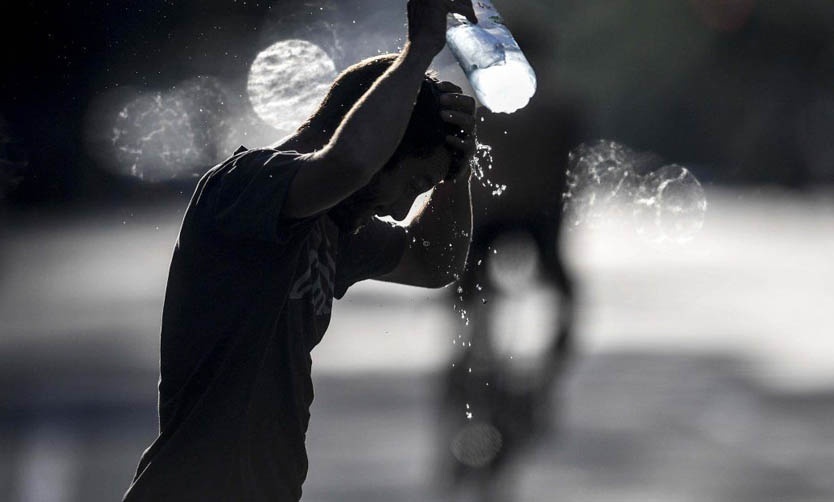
<point>607,180</point>
<point>287,80</point>
<point>481,163</point>
<point>601,180</point>
<point>669,205</point>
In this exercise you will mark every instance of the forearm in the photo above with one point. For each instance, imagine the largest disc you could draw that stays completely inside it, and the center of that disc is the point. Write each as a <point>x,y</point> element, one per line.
<point>443,230</point>
<point>374,127</point>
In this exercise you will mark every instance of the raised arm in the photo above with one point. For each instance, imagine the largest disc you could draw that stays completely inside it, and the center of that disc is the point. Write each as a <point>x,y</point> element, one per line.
<point>374,127</point>
<point>438,238</point>
<point>439,235</point>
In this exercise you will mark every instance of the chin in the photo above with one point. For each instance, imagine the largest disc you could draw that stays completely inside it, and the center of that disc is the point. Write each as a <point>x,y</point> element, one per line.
<point>354,222</point>
<point>359,223</point>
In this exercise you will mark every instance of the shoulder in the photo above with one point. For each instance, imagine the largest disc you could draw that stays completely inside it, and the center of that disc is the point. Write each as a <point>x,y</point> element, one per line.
<point>262,155</point>
<point>244,165</point>
<point>243,196</point>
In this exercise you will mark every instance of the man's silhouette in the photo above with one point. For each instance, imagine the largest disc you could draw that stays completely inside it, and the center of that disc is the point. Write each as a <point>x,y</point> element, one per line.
<point>271,236</point>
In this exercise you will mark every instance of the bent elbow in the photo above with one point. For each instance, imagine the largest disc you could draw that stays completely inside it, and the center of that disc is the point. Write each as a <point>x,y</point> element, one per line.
<point>439,282</point>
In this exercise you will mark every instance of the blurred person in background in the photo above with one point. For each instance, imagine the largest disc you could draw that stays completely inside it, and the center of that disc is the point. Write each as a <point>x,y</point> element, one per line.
<point>271,236</point>
<point>508,407</point>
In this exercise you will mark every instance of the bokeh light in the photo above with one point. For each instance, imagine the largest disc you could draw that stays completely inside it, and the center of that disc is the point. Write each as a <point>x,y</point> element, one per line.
<point>608,181</point>
<point>601,181</point>
<point>287,81</point>
<point>670,205</point>
<point>163,135</point>
<point>476,444</point>
<point>513,261</point>
<point>153,138</point>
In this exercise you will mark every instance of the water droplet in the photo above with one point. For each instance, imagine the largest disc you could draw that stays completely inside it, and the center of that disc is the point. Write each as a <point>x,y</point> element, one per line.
<point>670,205</point>
<point>482,162</point>
<point>601,178</point>
<point>426,244</point>
<point>607,181</point>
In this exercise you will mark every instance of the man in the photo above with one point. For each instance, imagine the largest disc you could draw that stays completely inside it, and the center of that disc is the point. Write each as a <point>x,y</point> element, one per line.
<point>271,236</point>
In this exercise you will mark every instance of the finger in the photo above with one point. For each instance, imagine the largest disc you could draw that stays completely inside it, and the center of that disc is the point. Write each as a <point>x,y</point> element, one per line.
<point>465,146</point>
<point>446,86</point>
<point>463,7</point>
<point>465,121</point>
<point>457,101</point>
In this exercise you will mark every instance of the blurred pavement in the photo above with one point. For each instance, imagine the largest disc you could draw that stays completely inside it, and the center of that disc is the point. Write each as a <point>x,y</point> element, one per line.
<point>705,371</point>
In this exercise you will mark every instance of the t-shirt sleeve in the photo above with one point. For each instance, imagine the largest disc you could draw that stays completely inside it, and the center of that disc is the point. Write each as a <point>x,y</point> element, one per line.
<point>373,251</point>
<point>246,195</point>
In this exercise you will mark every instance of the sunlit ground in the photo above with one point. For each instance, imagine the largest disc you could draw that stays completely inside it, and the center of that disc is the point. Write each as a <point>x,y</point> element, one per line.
<point>705,371</point>
<point>755,284</point>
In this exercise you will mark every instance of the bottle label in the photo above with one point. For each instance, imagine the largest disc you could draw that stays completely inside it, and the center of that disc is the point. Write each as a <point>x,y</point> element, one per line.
<point>490,21</point>
<point>486,12</point>
<point>488,17</point>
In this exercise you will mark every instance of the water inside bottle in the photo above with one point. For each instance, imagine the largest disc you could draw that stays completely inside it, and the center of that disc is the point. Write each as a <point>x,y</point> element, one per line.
<point>504,88</point>
<point>474,47</point>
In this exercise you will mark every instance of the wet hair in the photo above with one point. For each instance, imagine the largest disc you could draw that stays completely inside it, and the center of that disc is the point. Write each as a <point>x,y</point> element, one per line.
<point>426,130</point>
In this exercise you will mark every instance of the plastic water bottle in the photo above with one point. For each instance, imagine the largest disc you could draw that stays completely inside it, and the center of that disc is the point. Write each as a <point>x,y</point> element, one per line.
<point>491,59</point>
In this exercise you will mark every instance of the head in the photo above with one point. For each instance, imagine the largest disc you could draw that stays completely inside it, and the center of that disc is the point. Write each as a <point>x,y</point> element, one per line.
<point>420,161</point>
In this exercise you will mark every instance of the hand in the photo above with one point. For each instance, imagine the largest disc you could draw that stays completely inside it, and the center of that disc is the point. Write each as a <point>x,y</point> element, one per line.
<point>458,112</point>
<point>427,21</point>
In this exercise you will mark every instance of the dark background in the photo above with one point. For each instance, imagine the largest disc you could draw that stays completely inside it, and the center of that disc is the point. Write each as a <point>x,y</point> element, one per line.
<point>740,91</point>
<point>704,370</point>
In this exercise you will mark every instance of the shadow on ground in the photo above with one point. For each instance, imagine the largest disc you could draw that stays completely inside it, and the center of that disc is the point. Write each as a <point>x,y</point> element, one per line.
<point>629,426</point>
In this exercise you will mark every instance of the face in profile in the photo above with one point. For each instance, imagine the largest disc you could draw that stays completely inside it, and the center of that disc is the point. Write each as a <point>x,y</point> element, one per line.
<point>391,192</point>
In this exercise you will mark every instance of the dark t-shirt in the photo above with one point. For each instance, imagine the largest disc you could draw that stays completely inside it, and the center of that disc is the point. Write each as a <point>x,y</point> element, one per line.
<point>248,297</point>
